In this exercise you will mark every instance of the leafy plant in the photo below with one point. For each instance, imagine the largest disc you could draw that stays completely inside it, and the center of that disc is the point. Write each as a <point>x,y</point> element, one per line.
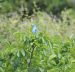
<point>36,53</point>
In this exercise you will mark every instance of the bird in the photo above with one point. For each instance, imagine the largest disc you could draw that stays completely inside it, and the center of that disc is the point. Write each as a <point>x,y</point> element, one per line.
<point>34,29</point>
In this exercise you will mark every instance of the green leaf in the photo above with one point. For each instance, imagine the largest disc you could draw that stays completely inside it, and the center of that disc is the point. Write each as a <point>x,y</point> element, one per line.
<point>52,56</point>
<point>23,52</point>
<point>18,54</point>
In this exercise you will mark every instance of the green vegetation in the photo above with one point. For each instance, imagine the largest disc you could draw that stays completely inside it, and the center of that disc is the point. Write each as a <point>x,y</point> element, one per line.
<point>37,36</point>
<point>51,49</point>
<point>37,53</point>
<point>7,6</point>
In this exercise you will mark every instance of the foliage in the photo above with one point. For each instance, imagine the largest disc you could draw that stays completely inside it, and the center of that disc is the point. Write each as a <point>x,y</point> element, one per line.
<point>7,6</point>
<point>37,53</point>
<point>49,46</point>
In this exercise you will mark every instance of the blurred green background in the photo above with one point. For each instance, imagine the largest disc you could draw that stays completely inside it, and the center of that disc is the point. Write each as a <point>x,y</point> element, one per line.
<point>37,35</point>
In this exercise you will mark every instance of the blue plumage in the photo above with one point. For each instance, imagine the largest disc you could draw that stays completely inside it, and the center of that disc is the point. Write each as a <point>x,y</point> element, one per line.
<point>34,28</point>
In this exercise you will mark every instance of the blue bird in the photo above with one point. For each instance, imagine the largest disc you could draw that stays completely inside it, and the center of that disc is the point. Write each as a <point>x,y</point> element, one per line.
<point>34,29</point>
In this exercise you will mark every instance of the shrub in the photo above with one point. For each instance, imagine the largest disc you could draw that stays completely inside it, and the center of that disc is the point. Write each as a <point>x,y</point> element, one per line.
<point>37,52</point>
